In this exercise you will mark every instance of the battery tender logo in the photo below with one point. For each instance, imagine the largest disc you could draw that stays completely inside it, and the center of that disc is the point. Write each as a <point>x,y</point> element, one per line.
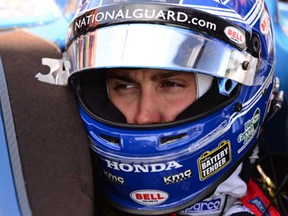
<point>211,162</point>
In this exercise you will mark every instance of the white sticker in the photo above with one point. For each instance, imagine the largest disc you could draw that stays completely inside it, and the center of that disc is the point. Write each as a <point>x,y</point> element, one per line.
<point>265,23</point>
<point>235,35</point>
<point>149,197</point>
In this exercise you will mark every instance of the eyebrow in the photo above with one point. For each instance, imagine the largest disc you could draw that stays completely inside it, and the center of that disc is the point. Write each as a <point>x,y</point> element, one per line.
<point>125,78</point>
<point>164,75</point>
<point>154,77</point>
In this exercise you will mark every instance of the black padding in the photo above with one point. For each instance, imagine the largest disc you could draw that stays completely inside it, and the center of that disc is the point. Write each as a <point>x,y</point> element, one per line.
<point>92,92</point>
<point>53,146</point>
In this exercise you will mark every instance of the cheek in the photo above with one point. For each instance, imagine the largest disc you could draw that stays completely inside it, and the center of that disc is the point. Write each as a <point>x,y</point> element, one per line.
<point>178,105</point>
<point>125,106</point>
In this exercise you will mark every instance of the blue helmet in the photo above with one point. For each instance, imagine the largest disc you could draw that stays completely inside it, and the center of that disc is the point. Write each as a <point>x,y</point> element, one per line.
<point>166,167</point>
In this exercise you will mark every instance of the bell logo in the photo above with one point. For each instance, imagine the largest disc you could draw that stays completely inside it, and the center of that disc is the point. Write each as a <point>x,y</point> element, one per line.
<point>235,35</point>
<point>149,197</point>
<point>265,23</point>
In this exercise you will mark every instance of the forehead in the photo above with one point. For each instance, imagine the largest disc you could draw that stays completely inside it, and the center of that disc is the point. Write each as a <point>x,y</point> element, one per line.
<point>153,74</point>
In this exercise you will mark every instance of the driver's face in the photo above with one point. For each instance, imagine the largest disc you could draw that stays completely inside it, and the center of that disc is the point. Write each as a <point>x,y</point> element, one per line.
<point>149,96</point>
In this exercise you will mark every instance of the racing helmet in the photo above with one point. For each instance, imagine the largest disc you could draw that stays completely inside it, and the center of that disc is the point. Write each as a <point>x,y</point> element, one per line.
<point>160,168</point>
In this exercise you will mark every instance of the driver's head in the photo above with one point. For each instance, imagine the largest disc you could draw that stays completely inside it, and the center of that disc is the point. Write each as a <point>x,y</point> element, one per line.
<point>172,94</point>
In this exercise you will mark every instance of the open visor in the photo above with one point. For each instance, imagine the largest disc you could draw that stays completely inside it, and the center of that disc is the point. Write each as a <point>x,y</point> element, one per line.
<point>159,46</point>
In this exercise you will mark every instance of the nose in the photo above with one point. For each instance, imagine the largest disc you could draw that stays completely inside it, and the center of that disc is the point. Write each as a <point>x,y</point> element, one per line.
<point>149,109</point>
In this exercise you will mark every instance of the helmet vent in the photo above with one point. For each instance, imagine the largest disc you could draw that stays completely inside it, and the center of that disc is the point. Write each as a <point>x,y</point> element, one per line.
<point>113,140</point>
<point>169,139</point>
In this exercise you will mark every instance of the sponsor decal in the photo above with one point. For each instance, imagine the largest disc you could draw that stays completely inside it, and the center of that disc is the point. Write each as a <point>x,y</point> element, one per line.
<point>211,162</point>
<point>210,136</point>
<point>177,177</point>
<point>265,23</point>
<point>114,178</point>
<point>151,12</point>
<point>250,129</point>
<point>205,207</point>
<point>149,197</point>
<point>235,35</point>
<point>259,205</point>
<point>142,168</point>
<point>96,17</point>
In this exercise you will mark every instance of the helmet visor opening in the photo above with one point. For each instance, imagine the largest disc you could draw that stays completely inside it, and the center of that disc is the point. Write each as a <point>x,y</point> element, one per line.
<point>91,89</point>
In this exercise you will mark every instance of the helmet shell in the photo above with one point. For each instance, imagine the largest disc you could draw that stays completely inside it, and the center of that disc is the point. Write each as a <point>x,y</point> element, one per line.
<point>157,169</point>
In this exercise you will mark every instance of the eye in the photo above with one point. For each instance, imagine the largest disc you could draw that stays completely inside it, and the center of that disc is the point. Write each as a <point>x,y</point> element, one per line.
<point>172,84</point>
<point>124,87</point>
